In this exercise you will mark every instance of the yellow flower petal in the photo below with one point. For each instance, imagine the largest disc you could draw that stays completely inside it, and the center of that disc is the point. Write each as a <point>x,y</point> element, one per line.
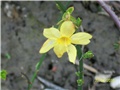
<point>51,33</point>
<point>67,28</point>
<point>71,50</point>
<point>59,50</point>
<point>47,46</point>
<point>81,38</point>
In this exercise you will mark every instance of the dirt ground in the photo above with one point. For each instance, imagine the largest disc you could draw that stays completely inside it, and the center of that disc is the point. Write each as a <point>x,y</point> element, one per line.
<point>21,38</point>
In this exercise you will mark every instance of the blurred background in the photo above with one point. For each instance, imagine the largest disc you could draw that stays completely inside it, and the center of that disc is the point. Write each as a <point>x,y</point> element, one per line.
<point>22,24</point>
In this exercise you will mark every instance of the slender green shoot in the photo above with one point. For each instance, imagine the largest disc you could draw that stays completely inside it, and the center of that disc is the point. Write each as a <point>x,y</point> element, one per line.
<point>36,71</point>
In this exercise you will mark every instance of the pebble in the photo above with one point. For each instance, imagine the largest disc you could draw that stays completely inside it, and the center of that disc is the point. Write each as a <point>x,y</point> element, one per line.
<point>115,83</point>
<point>103,78</point>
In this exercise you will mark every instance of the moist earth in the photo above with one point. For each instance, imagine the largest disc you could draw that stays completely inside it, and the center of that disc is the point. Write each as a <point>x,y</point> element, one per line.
<point>22,37</point>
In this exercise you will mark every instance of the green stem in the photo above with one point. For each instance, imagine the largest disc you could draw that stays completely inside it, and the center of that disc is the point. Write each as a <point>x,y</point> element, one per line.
<point>81,74</point>
<point>36,71</point>
<point>80,69</point>
<point>63,9</point>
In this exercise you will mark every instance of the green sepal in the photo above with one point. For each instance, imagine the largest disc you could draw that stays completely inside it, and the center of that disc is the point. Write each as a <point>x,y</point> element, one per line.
<point>66,16</point>
<point>78,22</point>
<point>73,19</point>
<point>70,10</point>
<point>60,22</point>
<point>88,54</point>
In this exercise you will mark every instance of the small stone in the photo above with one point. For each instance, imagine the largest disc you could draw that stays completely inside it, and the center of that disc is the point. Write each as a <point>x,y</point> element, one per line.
<point>115,83</point>
<point>104,78</point>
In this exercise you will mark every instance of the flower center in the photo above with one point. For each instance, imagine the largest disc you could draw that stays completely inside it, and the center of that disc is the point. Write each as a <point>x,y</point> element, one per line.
<point>64,40</point>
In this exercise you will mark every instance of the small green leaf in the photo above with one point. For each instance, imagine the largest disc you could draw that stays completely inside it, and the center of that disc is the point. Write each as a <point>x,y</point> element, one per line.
<point>70,10</point>
<point>60,6</point>
<point>37,65</point>
<point>57,5</point>
<point>117,45</point>
<point>77,73</point>
<point>78,21</point>
<point>3,74</point>
<point>88,54</point>
<point>80,82</point>
<point>73,19</point>
<point>7,55</point>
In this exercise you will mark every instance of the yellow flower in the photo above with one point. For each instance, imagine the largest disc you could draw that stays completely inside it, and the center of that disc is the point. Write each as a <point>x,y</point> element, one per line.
<point>62,41</point>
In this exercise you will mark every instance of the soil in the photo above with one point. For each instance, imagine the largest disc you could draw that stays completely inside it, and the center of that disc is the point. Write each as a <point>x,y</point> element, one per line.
<point>22,37</point>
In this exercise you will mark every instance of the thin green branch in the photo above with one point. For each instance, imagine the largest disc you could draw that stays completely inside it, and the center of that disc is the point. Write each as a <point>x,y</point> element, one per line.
<point>36,71</point>
<point>80,69</point>
<point>80,87</point>
<point>61,6</point>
